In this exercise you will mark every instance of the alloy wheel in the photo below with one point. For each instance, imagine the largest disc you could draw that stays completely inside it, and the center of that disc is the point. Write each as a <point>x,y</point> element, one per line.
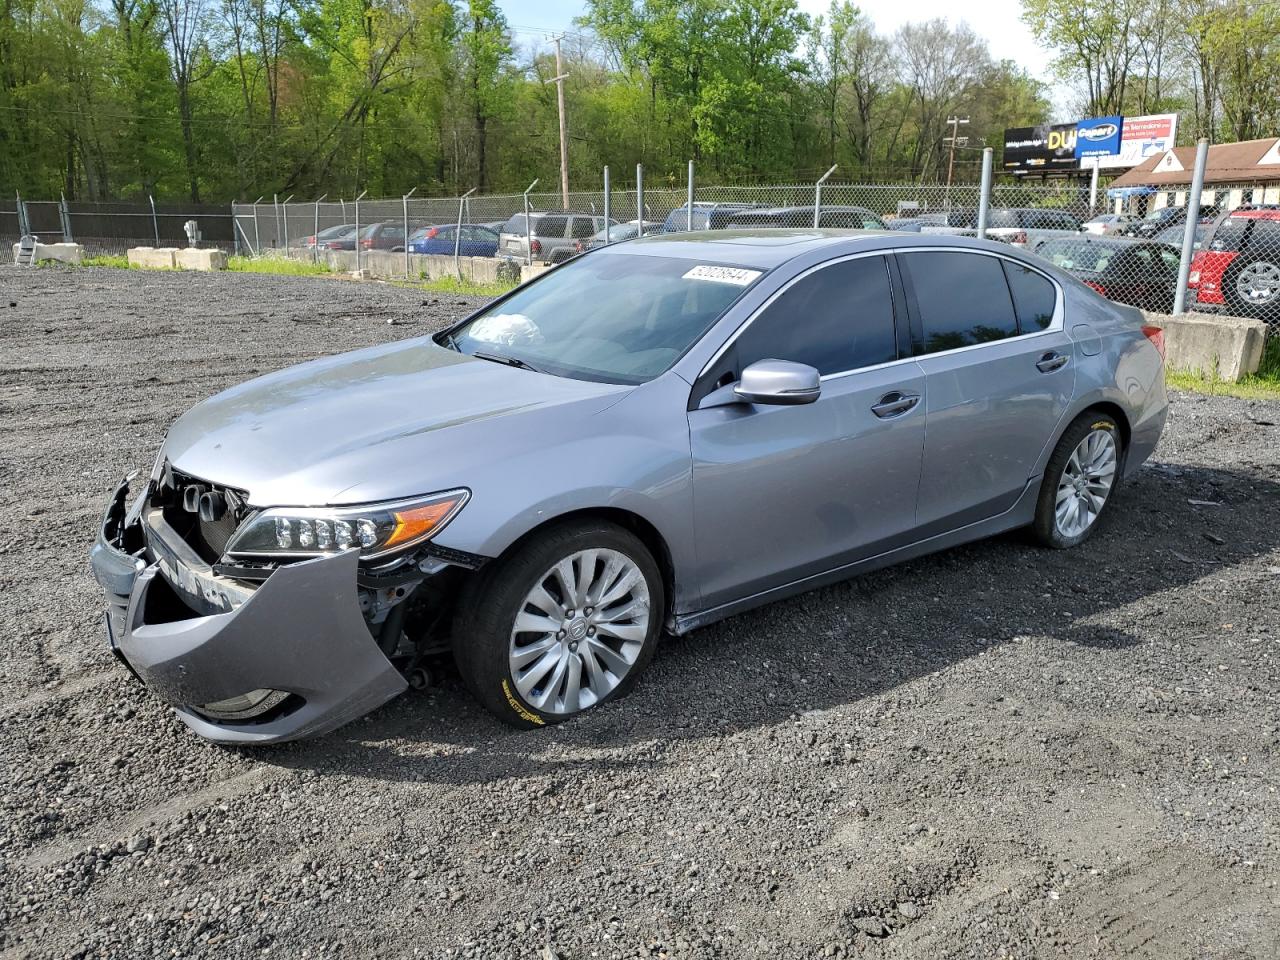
<point>1258,284</point>
<point>1086,483</point>
<point>579,631</point>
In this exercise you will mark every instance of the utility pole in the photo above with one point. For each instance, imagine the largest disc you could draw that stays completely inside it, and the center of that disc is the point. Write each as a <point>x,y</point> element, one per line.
<point>558,80</point>
<point>955,130</point>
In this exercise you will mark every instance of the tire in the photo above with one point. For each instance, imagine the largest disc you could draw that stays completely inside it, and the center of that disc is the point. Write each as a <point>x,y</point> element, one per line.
<point>1072,500</point>
<point>518,676</point>
<point>1265,273</point>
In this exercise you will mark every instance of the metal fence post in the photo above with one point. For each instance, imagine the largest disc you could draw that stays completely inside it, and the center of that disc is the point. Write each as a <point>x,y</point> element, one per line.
<point>1189,231</point>
<point>257,240</point>
<point>817,195</point>
<point>275,209</point>
<point>155,223</point>
<point>984,192</point>
<point>457,234</point>
<point>315,236</point>
<point>528,227</point>
<point>640,197</point>
<point>1093,188</point>
<point>357,244</point>
<point>607,223</point>
<point>285,207</point>
<point>235,232</point>
<point>404,202</point>
<point>688,220</point>
<point>64,214</point>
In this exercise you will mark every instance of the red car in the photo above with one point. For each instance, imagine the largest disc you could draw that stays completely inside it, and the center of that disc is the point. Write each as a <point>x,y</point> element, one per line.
<point>1238,270</point>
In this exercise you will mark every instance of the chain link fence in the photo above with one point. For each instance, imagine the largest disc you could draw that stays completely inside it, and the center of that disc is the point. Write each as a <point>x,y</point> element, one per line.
<point>113,227</point>
<point>1127,244</point>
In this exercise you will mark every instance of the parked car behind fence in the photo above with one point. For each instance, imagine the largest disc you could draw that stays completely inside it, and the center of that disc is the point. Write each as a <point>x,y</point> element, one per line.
<point>840,217</point>
<point>474,240</point>
<point>1141,273</point>
<point>1238,269</point>
<point>555,235</point>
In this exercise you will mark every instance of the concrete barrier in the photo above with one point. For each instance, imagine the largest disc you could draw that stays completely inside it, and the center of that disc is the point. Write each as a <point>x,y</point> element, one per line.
<point>61,252</point>
<point>385,265</point>
<point>192,258</point>
<point>1211,344</point>
<point>153,258</point>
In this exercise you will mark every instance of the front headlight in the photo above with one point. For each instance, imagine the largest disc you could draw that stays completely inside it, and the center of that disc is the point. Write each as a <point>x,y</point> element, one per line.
<point>375,528</point>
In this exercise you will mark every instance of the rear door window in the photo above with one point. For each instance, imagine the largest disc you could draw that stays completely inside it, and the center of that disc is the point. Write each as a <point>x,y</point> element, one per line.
<point>836,319</point>
<point>514,225</point>
<point>583,228</point>
<point>961,299</point>
<point>550,227</point>
<point>1034,296</point>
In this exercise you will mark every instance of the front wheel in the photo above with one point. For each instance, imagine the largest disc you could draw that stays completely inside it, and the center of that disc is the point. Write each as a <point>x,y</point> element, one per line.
<point>1078,481</point>
<point>564,624</point>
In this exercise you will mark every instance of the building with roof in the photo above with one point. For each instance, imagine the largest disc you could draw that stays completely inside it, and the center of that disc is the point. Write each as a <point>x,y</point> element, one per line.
<point>1236,173</point>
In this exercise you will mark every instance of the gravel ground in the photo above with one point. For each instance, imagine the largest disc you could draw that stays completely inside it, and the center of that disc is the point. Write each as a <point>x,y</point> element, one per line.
<point>995,751</point>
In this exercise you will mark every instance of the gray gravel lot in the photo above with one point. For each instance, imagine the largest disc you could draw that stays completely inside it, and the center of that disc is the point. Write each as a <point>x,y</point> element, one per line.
<point>995,751</point>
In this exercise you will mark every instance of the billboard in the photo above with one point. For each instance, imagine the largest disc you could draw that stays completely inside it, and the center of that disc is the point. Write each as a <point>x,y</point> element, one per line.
<point>1107,141</point>
<point>1046,148</point>
<point>1099,137</point>
<point>1140,138</point>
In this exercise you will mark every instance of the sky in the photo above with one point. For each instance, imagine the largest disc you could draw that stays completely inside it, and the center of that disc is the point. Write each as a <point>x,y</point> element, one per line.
<point>999,21</point>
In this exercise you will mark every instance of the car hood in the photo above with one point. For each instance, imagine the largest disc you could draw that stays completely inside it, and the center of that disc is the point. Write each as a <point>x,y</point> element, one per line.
<point>391,421</point>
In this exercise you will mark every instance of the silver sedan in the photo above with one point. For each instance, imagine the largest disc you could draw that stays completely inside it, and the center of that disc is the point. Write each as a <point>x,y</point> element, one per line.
<point>652,437</point>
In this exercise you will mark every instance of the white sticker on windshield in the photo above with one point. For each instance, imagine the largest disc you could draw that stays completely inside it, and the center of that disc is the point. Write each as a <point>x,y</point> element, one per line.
<point>736,275</point>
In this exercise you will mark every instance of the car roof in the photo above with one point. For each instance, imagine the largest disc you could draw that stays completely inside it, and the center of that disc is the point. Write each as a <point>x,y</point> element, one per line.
<point>1256,213</point>
<point>826,208</point>
<point>1092,239</point>
<point>766,248</point>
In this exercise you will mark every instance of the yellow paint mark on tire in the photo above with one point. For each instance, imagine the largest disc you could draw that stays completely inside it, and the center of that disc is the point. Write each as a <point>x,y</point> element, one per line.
<point>520,708</point>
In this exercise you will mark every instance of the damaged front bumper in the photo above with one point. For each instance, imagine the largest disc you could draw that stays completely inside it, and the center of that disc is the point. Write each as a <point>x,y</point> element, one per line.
<point>297,640</point>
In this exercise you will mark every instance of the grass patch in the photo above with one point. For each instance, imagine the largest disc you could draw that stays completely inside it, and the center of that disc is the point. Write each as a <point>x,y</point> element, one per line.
<point>279,266</point>
<point>456,287</point>
<point>117,261</point>
<point>1263,385</point>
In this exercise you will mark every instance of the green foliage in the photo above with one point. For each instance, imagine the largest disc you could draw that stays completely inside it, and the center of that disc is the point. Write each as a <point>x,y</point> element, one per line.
<point>112,260</point>
<point>232,99</point>
<point>454,286</point>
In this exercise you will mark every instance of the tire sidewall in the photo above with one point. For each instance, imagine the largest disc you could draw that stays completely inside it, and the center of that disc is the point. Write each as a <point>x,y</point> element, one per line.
<point>482,626</point>
<point>1045,525</point>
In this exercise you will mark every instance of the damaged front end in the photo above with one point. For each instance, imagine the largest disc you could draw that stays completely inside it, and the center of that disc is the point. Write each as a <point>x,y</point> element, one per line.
<point>262,648</point>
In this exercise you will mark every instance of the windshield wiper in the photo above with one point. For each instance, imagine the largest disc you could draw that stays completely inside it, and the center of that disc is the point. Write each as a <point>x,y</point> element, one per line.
<point>509,361</point>
<point>451,343</point>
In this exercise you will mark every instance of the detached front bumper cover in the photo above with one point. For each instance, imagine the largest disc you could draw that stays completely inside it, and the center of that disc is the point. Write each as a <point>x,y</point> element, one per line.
<point>301,632</point>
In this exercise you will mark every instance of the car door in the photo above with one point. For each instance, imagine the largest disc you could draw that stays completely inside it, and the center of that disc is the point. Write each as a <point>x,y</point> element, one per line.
<point>786,492</point>
<point>999,379</point>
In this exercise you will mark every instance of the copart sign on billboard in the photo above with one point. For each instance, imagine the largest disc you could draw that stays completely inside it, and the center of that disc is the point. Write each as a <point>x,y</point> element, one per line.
<point>1099,137</point>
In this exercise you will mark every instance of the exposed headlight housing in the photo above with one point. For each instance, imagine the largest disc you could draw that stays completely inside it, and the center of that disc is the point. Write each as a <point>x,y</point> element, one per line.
<point>376,529</point>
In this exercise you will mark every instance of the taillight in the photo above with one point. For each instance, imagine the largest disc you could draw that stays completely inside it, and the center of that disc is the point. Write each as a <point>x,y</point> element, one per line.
<point>1096,286</point>
<point>577,246</point>
<point>535,246</point>
<point>1156,336</point>
<point>432,233</point>
<point>1205,278</point>
<point>1019,237</point>
<point>367,244</point>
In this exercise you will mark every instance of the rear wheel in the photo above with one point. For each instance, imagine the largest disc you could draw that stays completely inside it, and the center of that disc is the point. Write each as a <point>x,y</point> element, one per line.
<point>567,622</point>
<point>1078,481</point>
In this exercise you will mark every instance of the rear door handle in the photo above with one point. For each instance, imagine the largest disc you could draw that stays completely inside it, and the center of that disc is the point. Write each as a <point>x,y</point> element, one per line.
<point>895,404</point>
<point>1051,362</point>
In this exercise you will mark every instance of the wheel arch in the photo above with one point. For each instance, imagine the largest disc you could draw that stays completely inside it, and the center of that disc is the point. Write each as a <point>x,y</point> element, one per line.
<point>629,520</point>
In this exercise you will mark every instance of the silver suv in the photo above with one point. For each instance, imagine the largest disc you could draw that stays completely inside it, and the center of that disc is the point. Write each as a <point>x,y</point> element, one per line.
<point>554,236</point>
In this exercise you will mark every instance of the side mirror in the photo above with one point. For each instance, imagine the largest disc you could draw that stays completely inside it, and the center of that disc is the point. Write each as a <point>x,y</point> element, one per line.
<point>778,382</point>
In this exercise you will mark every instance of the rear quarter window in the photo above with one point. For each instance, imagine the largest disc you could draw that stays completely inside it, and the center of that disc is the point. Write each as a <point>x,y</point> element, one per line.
<point>1034,297</point>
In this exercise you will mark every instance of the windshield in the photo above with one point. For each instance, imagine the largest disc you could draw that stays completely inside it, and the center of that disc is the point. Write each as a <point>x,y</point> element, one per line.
<point>616,318</point>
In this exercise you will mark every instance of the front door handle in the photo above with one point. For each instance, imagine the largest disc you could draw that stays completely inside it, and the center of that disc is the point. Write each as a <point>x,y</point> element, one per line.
<point>895,404</point>
<point>1051,362</point>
